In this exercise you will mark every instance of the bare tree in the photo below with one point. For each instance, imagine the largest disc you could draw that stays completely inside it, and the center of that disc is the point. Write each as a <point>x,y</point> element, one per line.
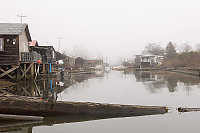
<point>185,47</point>
<point>153,48</point>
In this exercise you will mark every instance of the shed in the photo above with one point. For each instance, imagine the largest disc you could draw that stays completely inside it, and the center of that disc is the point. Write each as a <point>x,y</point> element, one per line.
<point>47,53</point>
<point>14,38</point>
<point>79,62</point>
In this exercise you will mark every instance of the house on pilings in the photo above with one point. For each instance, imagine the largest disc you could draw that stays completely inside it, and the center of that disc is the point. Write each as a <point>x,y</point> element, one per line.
<point>14,38</point>
<point>48,53</point>
<point>48,58</point>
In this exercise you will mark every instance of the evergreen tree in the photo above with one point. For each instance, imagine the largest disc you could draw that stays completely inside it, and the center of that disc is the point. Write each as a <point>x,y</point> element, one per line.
<point>170,50</point>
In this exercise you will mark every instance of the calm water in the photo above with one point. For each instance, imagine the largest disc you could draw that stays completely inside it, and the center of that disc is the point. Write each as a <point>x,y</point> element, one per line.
<point>137,88</point>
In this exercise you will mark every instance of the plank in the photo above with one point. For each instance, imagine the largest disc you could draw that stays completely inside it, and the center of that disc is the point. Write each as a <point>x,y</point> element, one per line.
<point>21,117</point>
<point>9,71</point>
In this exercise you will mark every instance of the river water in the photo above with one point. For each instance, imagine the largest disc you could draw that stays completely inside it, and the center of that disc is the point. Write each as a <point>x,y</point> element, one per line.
<point>135,88</point>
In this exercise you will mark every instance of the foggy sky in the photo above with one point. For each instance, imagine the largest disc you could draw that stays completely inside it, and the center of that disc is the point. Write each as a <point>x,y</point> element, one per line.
<point>112,28</point>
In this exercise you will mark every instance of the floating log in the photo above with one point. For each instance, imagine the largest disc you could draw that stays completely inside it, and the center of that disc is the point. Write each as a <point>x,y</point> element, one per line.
<point>20,105</point>
<point>188,109</point>
<point>20,117</point>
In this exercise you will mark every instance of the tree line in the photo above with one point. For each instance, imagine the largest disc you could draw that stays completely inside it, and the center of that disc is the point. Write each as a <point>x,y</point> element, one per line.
<point>174,55</point>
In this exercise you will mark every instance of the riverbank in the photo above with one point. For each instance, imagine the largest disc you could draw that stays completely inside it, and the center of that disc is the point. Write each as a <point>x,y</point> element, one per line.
<point>183,70</point>
<point>187,71</point>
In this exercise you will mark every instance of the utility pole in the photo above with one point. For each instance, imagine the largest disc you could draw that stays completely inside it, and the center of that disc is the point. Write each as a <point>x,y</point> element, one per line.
<point>21,18</point>
<point>59,42</point>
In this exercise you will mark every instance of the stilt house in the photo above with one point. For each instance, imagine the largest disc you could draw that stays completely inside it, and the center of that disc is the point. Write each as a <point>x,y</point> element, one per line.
<point>47,53</point>
<point>14,40</point>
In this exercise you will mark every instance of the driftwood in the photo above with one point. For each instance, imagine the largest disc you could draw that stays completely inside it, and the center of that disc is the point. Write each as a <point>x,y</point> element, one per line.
<point>20,105</point>
<point>188,109</point>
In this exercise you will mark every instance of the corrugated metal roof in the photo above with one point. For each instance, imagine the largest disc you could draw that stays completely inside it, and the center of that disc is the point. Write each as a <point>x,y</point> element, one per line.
<point>12,28</point>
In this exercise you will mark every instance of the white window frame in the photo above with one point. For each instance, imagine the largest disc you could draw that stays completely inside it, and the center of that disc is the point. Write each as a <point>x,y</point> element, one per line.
<point>1,44</point>
<point>53,54</point>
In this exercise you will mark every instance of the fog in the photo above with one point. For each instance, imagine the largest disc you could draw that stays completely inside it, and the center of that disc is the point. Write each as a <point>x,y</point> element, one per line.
<point>108,28</point>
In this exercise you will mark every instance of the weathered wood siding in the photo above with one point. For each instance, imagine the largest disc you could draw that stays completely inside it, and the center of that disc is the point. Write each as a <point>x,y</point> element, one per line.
<point>10,55</point>
<point>23,44</point>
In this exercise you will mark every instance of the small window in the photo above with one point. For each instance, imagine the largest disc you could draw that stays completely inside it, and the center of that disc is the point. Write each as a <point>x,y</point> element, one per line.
<point>1,44</point>
<point>14,41</point>
<point>8,41</point>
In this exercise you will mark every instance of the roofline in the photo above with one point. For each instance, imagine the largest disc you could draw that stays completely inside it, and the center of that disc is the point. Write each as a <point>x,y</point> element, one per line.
<point>28,33</point>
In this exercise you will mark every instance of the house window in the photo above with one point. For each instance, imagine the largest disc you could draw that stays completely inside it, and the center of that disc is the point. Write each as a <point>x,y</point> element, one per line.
<point>53,54</point>
<point>14,41</point>
<point>1,44</point>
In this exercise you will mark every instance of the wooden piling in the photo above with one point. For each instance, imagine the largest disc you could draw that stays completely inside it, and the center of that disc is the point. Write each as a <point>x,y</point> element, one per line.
<point>25,70</point>
<point>44,68</point>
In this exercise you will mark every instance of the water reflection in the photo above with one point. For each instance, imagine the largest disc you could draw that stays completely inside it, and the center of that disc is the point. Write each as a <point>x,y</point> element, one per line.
<point>27,127</point>
<point>155,81</point>
<point>109,89</point>
<point>47,88</point>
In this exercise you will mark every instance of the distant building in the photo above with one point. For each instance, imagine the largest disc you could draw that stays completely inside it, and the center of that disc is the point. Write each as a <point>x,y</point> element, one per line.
<point>93,63</point>
<point>143,61</point>
<point>69,61</point>
<point>14,38</point>
<point>79,62</point>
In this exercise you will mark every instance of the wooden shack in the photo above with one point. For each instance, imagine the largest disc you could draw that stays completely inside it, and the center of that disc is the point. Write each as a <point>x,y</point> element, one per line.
<point>79,62</point>
<point>48,55</point>
<point>14,39</point>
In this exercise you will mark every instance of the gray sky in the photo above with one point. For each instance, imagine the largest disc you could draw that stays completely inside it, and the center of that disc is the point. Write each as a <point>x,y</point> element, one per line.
<point>113,28</point>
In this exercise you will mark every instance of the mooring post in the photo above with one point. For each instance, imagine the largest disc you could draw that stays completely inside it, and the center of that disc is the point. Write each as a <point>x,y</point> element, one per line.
<point>18,76</point>
<point>50,68</point>
<point>43,68</point>
<point>32,70</point>
<point>25,70</point>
